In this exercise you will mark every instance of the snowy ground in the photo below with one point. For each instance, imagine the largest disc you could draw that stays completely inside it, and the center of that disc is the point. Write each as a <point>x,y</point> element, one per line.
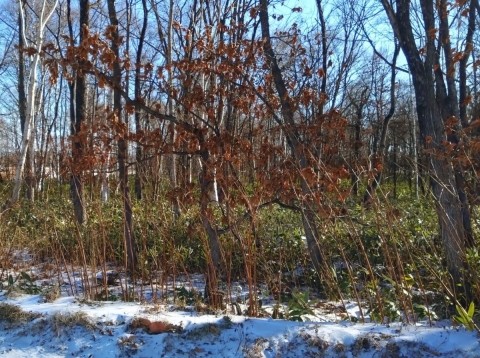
<point>68,328</point>
<point>60,325</point>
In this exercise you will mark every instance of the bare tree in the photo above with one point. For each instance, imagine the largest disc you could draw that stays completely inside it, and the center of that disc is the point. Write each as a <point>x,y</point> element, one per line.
<point>78,96</point>
<point>380,149</point>
<point>22,98</point>
<point>293,138</point>
<point>436,102</point>
<point>46,11</point>
<point>139,172</point>
<point>130,252</point>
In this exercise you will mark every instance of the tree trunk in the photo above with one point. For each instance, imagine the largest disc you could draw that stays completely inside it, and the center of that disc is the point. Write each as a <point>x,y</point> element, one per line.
<point>22,103</point>
<point>308,213</point>
<point>78,109</point>
<point>129,239</point>
<point>380,152</point>
<point>139,168</point>
<point>172,128</point>
<point>323,27</point>
<point>357,140</point>
<point>463,102</point>
<point>44,16</point>
<point>431,111</point>
<point>214,257</point>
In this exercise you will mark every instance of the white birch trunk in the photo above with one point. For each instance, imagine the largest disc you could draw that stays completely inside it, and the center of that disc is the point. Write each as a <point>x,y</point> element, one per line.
<point>32,85</point>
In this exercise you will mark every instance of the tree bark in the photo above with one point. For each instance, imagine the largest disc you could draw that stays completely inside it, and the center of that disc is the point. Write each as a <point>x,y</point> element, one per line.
<point>287,110</point>
<point>139,170</point>
<point>22,100</point>
<point>172,128</point>
<point>214,257</point>
<point>44,16</point>
<point>323,27</point>
<point>357,140</point>
<point>431,111</point>
<point>129,239</point>
<point>78,93</point>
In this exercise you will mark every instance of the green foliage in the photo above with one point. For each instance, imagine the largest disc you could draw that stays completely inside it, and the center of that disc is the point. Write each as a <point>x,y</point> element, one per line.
<point>187,297</point>
<point>423,311</point>
<point>106,295</point>
<point>379,255</point>
<point>282,246</point>
<point>465,317</point>
<point>388,311</point>
<point>299,306</point>
<point>383,305</point>
<point>23,282</point>
<point>169,243</point>
<point>473,263</point>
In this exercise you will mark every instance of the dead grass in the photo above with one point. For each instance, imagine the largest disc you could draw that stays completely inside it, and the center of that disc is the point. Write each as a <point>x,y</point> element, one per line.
<point>129,343</point>
<point>209,329</point>
<point>64,321</point>
<point>13,314</point>
<point>256,349</point>
<point>51,294</point>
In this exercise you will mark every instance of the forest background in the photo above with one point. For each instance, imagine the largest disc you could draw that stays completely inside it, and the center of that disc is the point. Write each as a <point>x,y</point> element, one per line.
<point>333,150</point>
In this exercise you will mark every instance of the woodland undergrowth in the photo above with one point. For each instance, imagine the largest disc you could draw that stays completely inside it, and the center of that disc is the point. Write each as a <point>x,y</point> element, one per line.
<point>386,257</point>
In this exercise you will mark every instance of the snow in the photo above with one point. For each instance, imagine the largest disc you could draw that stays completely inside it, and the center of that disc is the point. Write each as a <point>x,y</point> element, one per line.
<point>68,326</point>
<point>112,334</point>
